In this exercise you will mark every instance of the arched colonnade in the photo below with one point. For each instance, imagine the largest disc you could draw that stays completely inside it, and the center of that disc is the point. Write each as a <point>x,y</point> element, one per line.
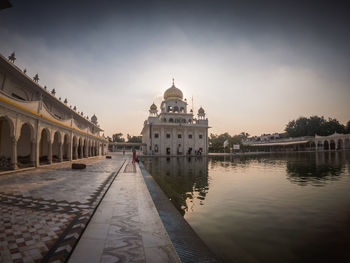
<point>25,143</point>
<point>333,144</point>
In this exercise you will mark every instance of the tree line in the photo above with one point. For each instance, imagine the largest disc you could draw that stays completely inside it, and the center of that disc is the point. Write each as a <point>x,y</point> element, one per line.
<point>118,137</point>
<point>216,142</point>
<point>304,126</point>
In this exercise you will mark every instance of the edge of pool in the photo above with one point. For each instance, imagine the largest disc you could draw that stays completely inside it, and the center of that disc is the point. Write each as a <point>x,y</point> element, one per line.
<point>188,245</point>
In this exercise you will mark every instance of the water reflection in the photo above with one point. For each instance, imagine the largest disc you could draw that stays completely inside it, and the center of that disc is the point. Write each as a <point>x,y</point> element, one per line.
<point>258,208</point>
<point>185,179</point>
<point>181,179</point>
<point>316,169</point>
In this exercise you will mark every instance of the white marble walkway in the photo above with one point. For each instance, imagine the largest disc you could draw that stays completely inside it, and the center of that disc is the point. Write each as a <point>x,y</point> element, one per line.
<point>126,226</point>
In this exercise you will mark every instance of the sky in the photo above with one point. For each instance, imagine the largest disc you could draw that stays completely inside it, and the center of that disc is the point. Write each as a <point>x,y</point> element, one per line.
<point>252,65</point>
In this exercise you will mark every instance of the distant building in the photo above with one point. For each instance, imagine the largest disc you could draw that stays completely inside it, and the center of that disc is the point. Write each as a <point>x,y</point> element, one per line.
<point>38,128</point>
<point>175,131</point>
<point>265,137</point>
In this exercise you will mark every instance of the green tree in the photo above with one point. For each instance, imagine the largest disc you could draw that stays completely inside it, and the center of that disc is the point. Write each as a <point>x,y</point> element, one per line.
<point>313,125</point>
<point>347,128</point>
<point>134,139</point>
<point>118,137</point>
<point>216,142</point>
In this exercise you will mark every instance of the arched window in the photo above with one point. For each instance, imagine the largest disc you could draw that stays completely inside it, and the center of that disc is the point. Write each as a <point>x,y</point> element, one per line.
<point>176,109</point>
<point>171,120</point>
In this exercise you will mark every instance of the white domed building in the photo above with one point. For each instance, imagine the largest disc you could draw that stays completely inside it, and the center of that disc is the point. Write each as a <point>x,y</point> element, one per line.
<point>174,131</point>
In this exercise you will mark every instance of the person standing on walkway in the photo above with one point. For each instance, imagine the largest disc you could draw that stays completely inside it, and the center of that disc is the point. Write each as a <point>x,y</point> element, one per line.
<point>133,155</point>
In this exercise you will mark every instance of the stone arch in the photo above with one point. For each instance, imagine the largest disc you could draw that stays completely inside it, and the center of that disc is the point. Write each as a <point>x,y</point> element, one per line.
<point>340,144</point>
<point>171,120</point>
<point>326,145</point>
<point>45,147</point>
<point>319,144</point>
<point>182,109</point>
<point>80,148</point>
<point>26,146</point>
<point>7,160</point>
<point>65,148</point>
<point>332,145</point>
<point>75,148</point>
<point>176,109</point>
<point>56,147</point>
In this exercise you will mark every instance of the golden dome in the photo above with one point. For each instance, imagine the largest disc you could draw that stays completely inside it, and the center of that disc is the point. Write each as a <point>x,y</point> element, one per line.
<point>153,107</point>
<point>173,93</point>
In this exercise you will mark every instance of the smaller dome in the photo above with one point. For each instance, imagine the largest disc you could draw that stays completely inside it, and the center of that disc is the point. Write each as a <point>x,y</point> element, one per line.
<point>201,111</point>
<point>94,119</point>
<point>153,107</point>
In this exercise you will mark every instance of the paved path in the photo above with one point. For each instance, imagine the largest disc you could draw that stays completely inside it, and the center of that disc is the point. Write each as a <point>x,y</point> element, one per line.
<point>44,211</point>
<point>126,226</point>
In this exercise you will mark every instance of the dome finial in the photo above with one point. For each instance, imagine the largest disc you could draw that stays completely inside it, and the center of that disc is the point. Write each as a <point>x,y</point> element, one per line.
<point>173,82</point>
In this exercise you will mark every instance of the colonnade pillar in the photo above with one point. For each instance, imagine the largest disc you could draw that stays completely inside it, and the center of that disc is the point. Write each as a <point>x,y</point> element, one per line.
<point>49,156</point>
<point>60,155</point>
<point>70,146</point>
<point>33,152</point>
<point>14,153</point>
<point>76,151</point>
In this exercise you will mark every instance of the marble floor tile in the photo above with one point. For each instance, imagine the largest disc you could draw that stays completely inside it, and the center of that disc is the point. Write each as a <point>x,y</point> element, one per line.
<point>44,211</point>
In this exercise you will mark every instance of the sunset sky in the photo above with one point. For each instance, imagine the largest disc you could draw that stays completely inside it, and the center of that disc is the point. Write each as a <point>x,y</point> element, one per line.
<point>252,65</point>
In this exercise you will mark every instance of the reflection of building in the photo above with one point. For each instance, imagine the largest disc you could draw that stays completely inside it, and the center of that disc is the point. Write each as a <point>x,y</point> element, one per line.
<point>174,131</point>
<point>335,141</point>
<point>184,180</point>
<point>36,127</point>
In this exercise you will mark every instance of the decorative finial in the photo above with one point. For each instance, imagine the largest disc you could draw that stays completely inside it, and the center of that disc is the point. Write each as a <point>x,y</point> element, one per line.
<point>45,87</point>
<point>75,108</point>
<point>53,91</point>
<point>25,71</point>
<point>59,98</point>
<point>65,101</point>
<point>12,57</point>
<point>173,82</point>
<point>36,77</point>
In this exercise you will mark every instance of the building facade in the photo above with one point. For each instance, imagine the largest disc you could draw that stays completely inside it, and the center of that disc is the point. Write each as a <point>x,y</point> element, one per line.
<point>38,128</point>
<point>175,131</point>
